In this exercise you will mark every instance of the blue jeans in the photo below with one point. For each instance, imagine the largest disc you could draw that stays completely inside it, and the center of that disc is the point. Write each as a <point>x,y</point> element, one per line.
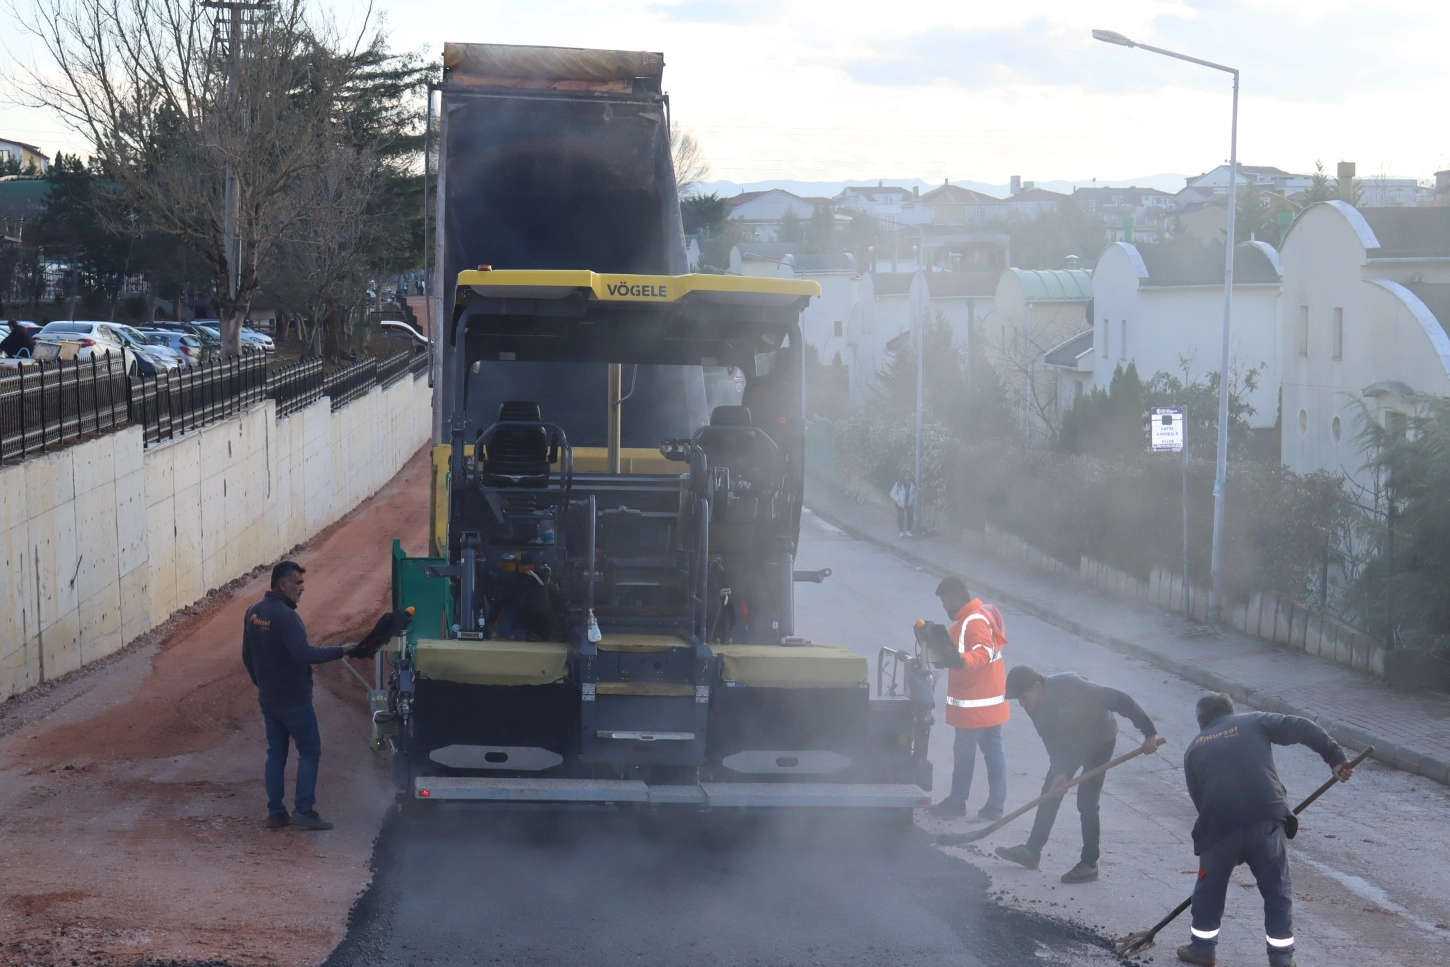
<point>964,764</point>
<point>297,723</point>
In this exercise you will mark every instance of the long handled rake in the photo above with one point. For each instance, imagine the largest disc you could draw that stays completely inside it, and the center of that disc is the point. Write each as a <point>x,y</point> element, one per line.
<point>1136,943</point>
<point>962,839</point>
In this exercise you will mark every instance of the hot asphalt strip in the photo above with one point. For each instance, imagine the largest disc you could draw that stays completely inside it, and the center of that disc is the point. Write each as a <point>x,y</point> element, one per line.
<point>1393,721</point>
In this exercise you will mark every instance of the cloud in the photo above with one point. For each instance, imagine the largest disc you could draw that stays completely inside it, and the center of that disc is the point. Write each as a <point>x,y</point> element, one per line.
<point>736,12</point>
<point>1282,52</point>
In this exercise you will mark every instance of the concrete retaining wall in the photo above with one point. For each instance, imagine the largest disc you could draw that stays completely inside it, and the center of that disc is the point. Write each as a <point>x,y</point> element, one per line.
<point>103,541</point>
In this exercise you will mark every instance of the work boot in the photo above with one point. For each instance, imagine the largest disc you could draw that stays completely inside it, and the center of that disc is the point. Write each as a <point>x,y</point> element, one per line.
<point>948,808</point>
<point>1083,872</point>
<point>1204,953</point>
<point>1281,956</point>
<point>277,820</point>
<point>310,820</point>
<point>1020,855</point>
<point>987,815</point>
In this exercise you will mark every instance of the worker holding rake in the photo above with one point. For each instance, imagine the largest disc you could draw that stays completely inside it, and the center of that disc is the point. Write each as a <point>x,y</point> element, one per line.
<point>1244,817</point>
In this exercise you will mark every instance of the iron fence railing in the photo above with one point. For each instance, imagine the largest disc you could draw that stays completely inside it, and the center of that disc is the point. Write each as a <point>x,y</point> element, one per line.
<point>49,404</point>
<point>172,402</point>
<point>296,386</point>
<point>344,385</point>
<point>44,405</point>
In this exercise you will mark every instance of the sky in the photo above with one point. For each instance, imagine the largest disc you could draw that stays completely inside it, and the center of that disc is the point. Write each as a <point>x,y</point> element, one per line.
<point>971,90</point>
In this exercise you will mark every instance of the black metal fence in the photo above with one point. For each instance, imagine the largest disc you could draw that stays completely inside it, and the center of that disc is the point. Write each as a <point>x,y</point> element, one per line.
<point>172,402</point>
<point>44,405</point>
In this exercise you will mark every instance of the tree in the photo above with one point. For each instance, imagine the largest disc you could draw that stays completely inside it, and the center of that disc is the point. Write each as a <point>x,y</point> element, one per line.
<point>207,127</point>
<point>691,165</point>
<point>1320,187</point>
<point>1046,241</point>
<point>704,214</point>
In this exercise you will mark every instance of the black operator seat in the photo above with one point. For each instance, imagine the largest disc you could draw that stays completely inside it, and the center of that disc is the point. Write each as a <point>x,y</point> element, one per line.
<point>732,441</point>
<point>516,456</point>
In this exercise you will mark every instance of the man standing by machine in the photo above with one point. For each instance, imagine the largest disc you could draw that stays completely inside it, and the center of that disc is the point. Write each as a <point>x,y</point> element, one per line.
<point>279,661</point>
<point>1243,817</point>
<point>976,699</point>
<point>1075,719</point>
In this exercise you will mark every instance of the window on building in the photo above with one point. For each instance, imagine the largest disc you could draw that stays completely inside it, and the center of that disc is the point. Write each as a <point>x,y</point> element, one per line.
<point>1123,341</point>
<point>1338,332</point>
<point>4,155</point>
<point>1303,330</point>
<point>1105,339</point>
<point>1397,423</point>
<point>838,327</point>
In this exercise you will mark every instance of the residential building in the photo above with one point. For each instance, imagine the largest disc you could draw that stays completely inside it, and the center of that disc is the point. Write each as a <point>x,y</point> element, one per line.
<point>1160,307</point>
<point>1364,323</point>
<point>1031,202</point>
<point>1394,193</point>
<point>953,205</point>
<point>759,213</point>
<point>845,294</point>
<point>1035,312</point>
<point>884,202</point>
<point>24,155</point>
<point>1072,361</point>
<point>1280,181</point>
<point>1130,214</point>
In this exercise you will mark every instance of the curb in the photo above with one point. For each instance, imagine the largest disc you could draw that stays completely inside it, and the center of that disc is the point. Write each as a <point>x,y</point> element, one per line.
<point>1390,753</point>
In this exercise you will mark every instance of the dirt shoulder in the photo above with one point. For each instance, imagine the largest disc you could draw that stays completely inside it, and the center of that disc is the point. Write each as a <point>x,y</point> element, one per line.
<point>131,812</point>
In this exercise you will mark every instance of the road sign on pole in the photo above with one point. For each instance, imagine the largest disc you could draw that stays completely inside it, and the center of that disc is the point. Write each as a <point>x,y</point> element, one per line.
<point>1165,428</point>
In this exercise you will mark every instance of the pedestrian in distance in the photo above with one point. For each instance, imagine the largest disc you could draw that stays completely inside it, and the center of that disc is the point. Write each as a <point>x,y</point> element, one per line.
<point>976,704</point>
<point>1075,719</point>
<point>903,495</point>
<point>279,662</point>
<point>1244,817</point>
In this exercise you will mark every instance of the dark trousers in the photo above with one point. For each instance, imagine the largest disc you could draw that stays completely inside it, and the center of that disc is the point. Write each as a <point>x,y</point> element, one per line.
<point>1088,794</point>
<point>1263,847</point>
<point>297,723</point>
<point>903,518</point>
<point>964,765</point>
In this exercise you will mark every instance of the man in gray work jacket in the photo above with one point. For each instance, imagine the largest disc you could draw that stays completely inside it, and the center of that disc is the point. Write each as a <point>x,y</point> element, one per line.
<point>1075,719</point>
<point>279,661</point>
<point>1244,817</point>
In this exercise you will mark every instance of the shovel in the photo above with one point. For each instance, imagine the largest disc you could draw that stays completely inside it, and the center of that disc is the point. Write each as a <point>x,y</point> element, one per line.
<point>1136,943</point>
<point>962,839</point>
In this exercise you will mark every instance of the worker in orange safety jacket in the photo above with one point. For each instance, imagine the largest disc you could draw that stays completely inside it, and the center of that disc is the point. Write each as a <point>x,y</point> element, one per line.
<point>976,704</point>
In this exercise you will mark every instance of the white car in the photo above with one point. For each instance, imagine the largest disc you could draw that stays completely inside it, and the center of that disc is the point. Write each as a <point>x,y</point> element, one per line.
<point>90,338</point>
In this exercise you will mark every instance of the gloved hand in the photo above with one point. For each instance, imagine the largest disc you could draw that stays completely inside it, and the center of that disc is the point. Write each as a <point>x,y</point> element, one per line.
<point>390,624</point>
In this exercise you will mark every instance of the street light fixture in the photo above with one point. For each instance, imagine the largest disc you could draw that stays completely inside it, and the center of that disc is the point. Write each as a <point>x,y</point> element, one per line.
<point>1215,593</point>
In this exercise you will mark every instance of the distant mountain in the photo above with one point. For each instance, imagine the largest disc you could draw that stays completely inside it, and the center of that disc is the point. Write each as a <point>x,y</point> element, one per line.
<point>1166,181</point>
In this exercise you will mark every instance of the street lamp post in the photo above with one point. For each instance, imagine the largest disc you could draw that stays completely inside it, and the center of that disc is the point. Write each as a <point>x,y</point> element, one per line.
<point>1215,593</point>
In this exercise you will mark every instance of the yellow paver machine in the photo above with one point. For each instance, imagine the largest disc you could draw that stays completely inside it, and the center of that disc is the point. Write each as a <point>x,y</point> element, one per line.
<point>606,613</point>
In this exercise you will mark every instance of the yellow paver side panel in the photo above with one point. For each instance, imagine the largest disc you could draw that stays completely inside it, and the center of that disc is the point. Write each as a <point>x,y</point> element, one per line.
<point>492,662</point>
<point>642,644</point>
<point>792,666</point>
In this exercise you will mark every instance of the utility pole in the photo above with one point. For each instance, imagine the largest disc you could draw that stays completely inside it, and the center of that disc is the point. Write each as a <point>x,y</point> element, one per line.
<point>238,14</point>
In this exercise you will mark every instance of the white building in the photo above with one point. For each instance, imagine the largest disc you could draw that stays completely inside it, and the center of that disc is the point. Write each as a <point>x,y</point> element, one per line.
<point>953,205</point>
<point>759,213</point>
<point>883,201</point>
<point>1035,312</point>
<point>1364,319</point>
<point>1161,308</point>
<point>1281,181</point>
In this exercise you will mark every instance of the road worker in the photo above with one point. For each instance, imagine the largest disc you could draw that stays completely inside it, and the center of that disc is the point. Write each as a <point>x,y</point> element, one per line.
<point>1244,817</point>
<point>1075,719</point>
<point>976,704</point>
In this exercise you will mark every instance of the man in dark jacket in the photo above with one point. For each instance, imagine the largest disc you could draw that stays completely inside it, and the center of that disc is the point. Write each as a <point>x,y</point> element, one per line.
<point>279,661</point>
<point>1075,719</point>
<point>1244,817</point>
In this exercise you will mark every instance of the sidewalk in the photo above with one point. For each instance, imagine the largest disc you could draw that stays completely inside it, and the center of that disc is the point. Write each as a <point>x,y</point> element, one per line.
<point>1410,731</point>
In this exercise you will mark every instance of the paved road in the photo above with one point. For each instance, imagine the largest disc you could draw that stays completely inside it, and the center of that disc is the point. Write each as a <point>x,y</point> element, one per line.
<point>1370,873</point>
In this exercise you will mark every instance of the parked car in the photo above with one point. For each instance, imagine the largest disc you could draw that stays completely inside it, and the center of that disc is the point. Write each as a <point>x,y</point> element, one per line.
<point>251,339</point>
<point>209,339</point>
<point>91,339</point>
<point>150,360</point>
<point>191,348</point>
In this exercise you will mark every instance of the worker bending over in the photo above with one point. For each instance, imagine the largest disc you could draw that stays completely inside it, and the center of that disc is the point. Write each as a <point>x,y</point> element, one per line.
<point>1244,817</point>
<point>1075,719</point>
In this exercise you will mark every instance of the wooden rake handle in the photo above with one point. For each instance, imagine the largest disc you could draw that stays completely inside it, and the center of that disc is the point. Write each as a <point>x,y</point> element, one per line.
<point>961,839</point>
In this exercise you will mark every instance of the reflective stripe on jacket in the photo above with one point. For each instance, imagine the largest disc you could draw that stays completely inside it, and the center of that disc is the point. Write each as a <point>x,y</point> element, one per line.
<point>976,692</point>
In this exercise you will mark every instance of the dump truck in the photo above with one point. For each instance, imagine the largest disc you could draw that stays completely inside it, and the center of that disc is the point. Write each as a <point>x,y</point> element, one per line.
<point>605,613</point>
